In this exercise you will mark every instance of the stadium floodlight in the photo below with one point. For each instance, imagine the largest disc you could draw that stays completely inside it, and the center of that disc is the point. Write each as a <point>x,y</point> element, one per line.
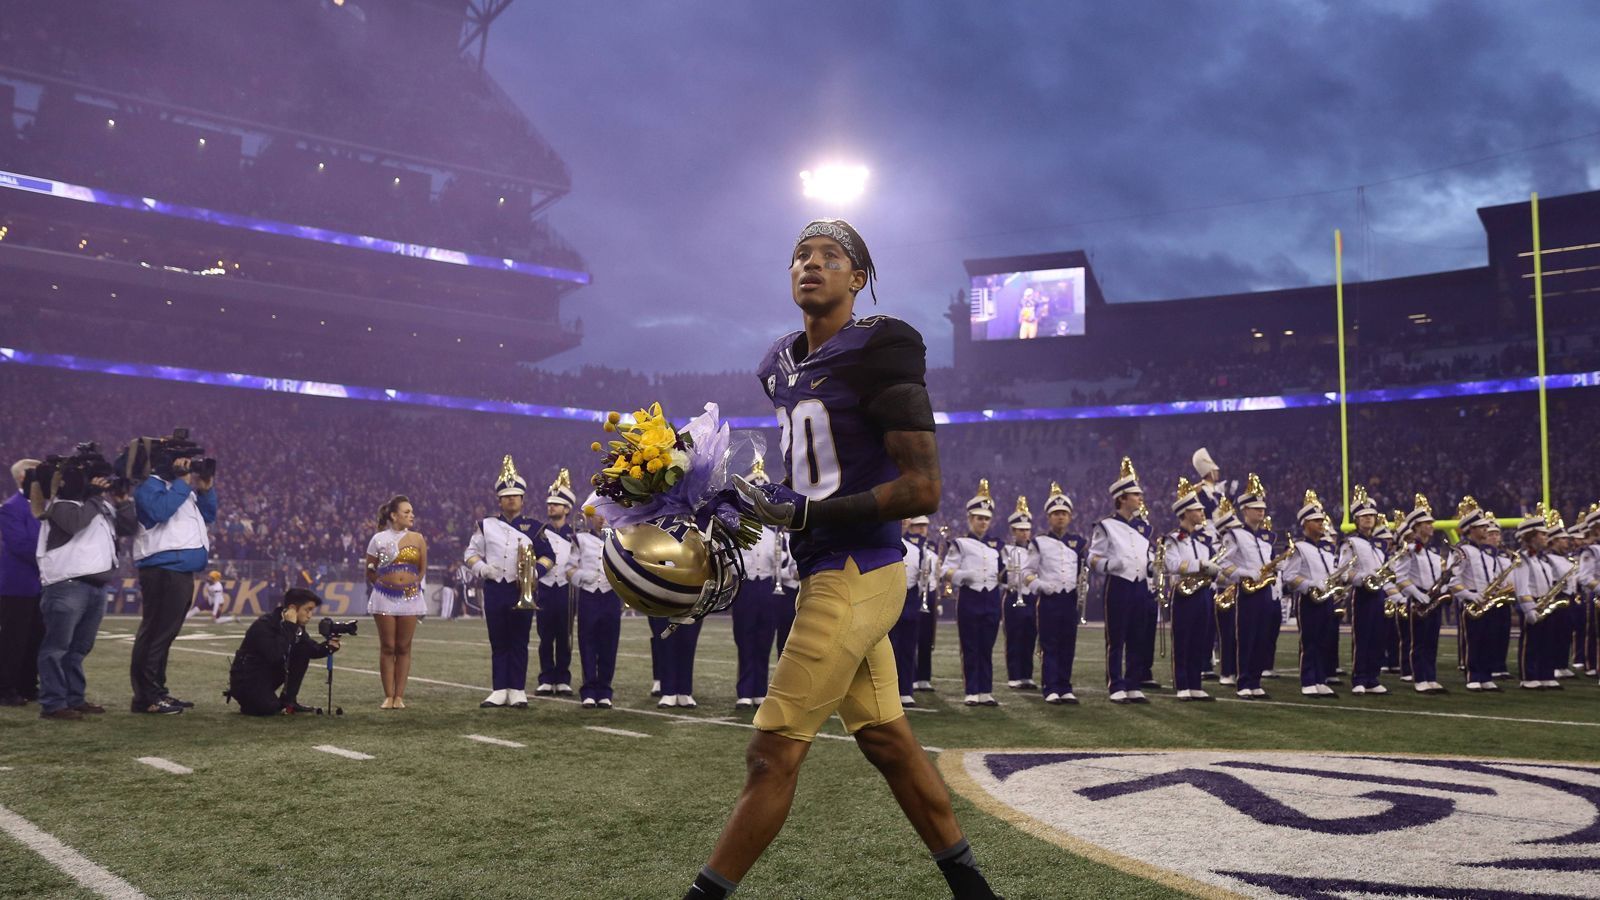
<point>834,184</point>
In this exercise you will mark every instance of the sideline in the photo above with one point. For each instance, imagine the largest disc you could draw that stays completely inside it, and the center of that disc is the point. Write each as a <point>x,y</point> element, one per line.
<point>68,860</point>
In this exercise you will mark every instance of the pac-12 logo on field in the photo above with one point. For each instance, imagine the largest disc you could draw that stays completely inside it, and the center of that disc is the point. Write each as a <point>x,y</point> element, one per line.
<point>1306,825</point>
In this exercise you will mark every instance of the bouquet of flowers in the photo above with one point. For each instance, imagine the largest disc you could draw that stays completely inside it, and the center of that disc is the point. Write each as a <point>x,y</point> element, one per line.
<point>655,470</point>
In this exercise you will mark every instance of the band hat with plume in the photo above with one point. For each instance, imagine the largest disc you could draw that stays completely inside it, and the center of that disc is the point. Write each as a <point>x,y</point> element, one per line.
<point>1203,463</point>
<point>1491,521</point>
<point>1361,504</point>
<point>1254,496</point>
<point>1387,525</point>
<point>1468,515</point>
<point>1188,497</point>
<point>1223,517</point>
<point>917,520</point>
<point>1311,509</point>
<point>509,484</point>
<point>1021,518</point>
<point>1421,511</point>
<point>1534,522</point>
<point>561,490</point>
<point>758,472</point>
<point>1057,500</point>
<point>981,504</point>
<point>1127,480</point>
<point>1591,518</point>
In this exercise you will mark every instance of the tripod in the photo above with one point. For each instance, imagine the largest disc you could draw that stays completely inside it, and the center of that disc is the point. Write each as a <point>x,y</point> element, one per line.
<point>330,709</point>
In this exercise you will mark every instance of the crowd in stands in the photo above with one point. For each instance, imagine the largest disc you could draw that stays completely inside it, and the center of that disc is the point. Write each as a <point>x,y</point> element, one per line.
<point>300,478</point>
<point>275,159</point>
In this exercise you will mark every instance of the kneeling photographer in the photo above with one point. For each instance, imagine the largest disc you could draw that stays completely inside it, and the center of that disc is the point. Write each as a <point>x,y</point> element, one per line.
<point>275,654</point>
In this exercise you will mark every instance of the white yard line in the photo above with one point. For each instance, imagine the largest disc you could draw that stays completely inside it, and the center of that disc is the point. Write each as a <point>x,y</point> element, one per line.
<point>165,765</point>
<point>340,751</point>
<point>1303,707</point>
<point>498,742</point>
<point>74,864</point>
<point>616,731</point>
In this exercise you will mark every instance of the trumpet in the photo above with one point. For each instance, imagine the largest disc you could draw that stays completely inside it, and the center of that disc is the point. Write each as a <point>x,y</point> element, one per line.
<point>527,578</point>
<point>1189,585</point>
<point>1014,573</point>
<point>1269,572</point>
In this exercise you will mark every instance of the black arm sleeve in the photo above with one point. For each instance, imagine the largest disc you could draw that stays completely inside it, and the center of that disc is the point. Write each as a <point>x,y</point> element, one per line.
<point>261,647</point>
<point>901,407</point>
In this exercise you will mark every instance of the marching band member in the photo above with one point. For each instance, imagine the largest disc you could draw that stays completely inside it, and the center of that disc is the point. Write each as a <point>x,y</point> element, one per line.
<point>1395,651</point>
<point>1055,560</point>
<point>1225,621</point>
<point>1188,555</point>
<point>974,564</point>
<point>492,556</point>
<point>1210,492</point>
<point>903,634</point>
<point>1479,566</point>
<point>789,582</point>
<point>1367,621</point>
<point>599,613</point>
<point>1560,624</point>
<point>1421,569</point>
<point>554,618</point>
<point>1120,551</point>
<point>1144,637</point>
<point>1533,580</point>
<point>1022,628</point>
<point>1275,613</point>
<point>1589,589</point>
<point>1500,624</point>
<point>755,609</point>
<point>928,620</point>
<point>1305,576</point>
<point>1249,561</point>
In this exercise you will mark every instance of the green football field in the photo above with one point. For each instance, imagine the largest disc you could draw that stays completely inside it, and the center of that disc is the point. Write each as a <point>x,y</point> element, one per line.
<point>629,812</point>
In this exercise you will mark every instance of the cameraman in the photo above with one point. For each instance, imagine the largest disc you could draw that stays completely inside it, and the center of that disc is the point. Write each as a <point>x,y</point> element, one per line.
<point>175,507</point>
<point>275,653</point>
<point>77,558</point>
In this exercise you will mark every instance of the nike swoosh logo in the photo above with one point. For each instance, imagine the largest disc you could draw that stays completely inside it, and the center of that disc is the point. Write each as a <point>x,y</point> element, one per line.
<point>817,381</point>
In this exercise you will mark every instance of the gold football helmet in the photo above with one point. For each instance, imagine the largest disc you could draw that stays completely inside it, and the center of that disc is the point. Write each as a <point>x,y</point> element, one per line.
<point>668,567</point>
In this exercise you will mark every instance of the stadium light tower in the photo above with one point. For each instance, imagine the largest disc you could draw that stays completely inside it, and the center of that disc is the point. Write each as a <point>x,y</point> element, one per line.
<point>834,184</point>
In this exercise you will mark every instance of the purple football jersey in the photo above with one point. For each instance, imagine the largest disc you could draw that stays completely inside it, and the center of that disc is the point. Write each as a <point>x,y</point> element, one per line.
<point>831,448</point>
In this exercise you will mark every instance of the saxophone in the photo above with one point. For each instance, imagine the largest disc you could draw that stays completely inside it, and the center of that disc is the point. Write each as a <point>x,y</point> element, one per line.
<point>1439,592</point>
<point>1269,572</point>
<point>1333,585</point>
<point>1228,597</point>
<point>1385,572</point>
<point>1553,599</point>
<point>1497,592</point>
<point>1189,585</point>
<point>527,578</point>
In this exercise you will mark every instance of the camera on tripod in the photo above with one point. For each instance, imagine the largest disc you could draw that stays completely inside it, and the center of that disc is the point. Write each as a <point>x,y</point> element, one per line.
<point>331,628</point>
<point>71,477</point>
<point>159,456</point>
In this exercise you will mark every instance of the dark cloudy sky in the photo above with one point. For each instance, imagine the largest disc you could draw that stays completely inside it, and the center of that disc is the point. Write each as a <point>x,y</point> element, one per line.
<point>995,128</point>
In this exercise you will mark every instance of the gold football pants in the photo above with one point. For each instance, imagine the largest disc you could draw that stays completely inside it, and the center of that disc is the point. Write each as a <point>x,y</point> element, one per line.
<point>838,658</point>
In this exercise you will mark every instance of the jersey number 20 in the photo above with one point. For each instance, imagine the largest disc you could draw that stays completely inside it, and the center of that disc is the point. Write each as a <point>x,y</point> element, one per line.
<point>807,443</point>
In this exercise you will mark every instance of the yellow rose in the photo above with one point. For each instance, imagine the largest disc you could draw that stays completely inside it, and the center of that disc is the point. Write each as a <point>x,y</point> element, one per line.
<point>595,446</point>
<point>636,472</point>
<point>653,466</point>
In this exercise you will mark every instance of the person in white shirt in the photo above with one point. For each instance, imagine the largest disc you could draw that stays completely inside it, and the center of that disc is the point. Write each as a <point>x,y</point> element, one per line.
<point>397,563</point>
<point>493,554</point>
<point>1120,550</point>
<point>755,610</point>
<point>1188,557</point>
<point>1056,561</point>
<point>1420,621</point>
<point>1532,579</point>
<point>974,565</point>
<point>599,612</point>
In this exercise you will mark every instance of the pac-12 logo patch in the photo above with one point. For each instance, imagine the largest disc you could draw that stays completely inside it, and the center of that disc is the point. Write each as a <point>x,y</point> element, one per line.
<point>1306,825</point>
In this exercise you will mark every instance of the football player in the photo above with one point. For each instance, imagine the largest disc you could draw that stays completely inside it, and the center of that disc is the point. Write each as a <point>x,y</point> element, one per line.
<point>859,455</point>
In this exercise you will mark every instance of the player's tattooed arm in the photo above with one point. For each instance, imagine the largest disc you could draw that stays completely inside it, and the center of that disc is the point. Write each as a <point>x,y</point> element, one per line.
<point>916,492</point>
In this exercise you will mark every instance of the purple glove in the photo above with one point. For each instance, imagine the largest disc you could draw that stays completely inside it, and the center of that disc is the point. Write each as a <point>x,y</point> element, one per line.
<point>773,504</point>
